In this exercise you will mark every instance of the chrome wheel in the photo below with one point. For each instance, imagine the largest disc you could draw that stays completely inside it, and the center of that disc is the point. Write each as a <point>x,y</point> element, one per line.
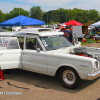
<point>68,77</point>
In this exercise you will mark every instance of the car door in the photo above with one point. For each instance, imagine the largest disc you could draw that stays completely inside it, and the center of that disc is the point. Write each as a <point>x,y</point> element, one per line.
<point>32,59</point>
<point>10,53</point>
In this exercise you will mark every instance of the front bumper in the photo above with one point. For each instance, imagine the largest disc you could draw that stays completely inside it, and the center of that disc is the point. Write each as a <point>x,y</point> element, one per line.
<point>94,75</point>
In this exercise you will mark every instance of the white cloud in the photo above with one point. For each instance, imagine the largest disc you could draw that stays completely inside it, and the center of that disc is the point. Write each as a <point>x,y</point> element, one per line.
<point>7,7</point>
<point>66,4</point>
<point>47,5</point>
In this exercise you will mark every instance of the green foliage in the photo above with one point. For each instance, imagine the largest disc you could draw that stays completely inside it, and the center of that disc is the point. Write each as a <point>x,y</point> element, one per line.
<point>14,13</point>
<point>17,12</point>
<point>65,15</point>
<point>1,16</point>
<point>36,12</point>
<point>60,15</point>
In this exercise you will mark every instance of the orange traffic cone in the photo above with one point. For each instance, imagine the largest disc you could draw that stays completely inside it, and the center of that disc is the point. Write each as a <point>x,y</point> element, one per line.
<point>1,75</point>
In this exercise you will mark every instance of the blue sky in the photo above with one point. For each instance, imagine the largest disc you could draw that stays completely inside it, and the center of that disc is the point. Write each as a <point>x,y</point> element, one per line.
<point>46,5</point>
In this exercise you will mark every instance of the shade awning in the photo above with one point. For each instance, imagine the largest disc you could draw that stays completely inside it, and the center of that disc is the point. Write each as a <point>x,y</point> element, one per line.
<point>22,21</point>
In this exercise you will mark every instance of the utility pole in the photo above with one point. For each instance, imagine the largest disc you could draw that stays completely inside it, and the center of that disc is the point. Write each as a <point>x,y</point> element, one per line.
<point>47,18</point>
<point>66,17</point>
<point>51,17</point>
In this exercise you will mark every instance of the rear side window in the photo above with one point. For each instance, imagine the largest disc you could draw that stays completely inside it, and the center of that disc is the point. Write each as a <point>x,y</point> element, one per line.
<point>8,43</point>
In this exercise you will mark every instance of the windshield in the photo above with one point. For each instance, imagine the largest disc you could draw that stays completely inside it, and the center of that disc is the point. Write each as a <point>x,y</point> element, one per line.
<point>55,42</point>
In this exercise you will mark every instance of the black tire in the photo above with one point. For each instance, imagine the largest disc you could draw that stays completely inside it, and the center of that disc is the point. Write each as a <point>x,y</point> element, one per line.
<point>87,36</point>
<point>69,78</point>
<point>6,71</point>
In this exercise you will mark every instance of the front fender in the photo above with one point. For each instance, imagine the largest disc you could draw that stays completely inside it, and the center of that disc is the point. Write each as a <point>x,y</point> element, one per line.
<point>82,65</point>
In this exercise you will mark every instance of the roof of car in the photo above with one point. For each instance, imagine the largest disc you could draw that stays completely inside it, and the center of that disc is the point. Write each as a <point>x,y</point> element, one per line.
<point>32,31</point>
<point>7,34</point>
<point>38,31</point>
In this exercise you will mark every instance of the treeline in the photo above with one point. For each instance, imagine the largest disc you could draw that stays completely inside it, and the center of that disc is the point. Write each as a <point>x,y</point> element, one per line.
<point>55,16</point>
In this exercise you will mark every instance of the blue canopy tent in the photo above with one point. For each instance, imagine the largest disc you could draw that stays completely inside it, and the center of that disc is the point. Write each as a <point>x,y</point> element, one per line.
<point>22,21</point>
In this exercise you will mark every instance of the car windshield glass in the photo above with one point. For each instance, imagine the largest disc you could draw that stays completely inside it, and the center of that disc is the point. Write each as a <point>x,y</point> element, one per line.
<point>55,42</point>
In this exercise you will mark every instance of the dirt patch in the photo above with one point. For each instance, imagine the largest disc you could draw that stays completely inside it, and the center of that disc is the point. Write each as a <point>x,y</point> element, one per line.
<point>92,45</point>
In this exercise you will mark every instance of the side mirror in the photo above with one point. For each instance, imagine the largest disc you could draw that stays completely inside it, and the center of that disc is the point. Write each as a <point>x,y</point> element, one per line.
<point>38,49</point>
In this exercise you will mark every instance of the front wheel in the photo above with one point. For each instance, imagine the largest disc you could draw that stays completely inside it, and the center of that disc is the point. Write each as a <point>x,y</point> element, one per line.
<point>69,78</point>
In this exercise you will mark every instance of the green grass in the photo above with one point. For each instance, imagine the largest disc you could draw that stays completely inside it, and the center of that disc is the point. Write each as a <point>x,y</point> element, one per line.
<point>88,41</point>
<point>6,30</point>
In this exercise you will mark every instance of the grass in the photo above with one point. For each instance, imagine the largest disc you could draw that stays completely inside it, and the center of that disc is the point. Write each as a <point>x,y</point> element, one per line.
<point>88,41</point>
<point>6,30</point>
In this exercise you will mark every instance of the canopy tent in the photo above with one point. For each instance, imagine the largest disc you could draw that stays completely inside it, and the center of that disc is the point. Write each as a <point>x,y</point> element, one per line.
<point>73,22</point>
<point>77,27</point>
<point>88,23</point>
<point>96,24</point>
<point>22,21</point>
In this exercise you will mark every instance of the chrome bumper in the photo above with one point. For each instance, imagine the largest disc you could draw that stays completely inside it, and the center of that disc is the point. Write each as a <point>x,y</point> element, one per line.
<point>94,75</point>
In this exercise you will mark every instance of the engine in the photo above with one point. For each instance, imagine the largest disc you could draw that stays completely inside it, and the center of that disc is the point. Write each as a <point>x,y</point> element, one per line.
<point>82,51</point>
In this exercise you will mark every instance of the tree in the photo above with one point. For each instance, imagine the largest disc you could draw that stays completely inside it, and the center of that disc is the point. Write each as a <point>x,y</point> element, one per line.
<point>1,16</point>
<point>47,17</point>
<point>36,12</point>
<point>18,11</point>
<point>62,15</point>
<point>93,15</point>
<point>4,17</point>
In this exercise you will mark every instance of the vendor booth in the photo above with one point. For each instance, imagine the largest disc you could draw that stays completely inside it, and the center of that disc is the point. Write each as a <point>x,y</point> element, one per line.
<point>22,21</point>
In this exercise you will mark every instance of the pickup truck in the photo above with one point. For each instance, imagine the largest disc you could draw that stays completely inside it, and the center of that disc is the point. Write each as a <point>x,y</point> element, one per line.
<point>48,52</point>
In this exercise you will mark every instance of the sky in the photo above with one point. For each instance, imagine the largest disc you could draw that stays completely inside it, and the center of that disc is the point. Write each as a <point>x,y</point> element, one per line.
<point>46,5</point>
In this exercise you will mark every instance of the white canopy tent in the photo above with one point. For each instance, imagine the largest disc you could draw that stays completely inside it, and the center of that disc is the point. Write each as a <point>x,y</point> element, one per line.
<point>96,24</point>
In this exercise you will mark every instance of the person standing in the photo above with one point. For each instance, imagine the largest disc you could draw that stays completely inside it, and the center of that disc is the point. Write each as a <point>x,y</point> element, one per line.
<point>70,38</point>
<point>66,32</point>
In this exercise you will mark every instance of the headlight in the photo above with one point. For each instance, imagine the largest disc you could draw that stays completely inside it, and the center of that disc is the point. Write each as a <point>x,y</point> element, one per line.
<point>95,65</point>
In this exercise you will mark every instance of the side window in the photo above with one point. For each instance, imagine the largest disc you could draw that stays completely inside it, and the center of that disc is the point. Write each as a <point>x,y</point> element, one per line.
<point>13,44</point>
<point>8,43</point>
<point>32,44</point>
<point>1,44</point>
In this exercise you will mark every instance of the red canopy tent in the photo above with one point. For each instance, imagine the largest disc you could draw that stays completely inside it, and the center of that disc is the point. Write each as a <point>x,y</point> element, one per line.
<point>73,22</point>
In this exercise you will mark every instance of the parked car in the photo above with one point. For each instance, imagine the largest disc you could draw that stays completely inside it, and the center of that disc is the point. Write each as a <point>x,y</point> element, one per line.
<point>2,30</point>
<point>46,51</point>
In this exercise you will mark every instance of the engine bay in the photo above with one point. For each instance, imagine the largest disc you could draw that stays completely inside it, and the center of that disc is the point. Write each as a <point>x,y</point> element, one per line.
<point>84,51</point>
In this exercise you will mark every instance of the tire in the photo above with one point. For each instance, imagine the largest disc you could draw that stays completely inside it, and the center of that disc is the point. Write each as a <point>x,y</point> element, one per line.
<point>87,36</point>
<point>6,71</point>
<point>69,78</point>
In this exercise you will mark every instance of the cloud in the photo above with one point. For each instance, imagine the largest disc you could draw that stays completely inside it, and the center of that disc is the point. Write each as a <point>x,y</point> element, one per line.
<point>66,4</point>
<point>50,5</point>
<point>7,7</point>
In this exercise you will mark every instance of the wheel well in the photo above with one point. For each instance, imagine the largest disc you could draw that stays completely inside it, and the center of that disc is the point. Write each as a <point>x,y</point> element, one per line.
<point>57,72</point>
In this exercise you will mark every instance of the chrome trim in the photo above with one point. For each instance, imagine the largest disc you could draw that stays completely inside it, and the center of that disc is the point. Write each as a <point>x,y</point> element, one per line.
<point>94,75</point>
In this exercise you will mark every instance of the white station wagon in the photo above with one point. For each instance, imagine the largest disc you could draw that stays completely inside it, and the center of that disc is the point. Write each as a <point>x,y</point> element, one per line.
<point>45,51</point>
